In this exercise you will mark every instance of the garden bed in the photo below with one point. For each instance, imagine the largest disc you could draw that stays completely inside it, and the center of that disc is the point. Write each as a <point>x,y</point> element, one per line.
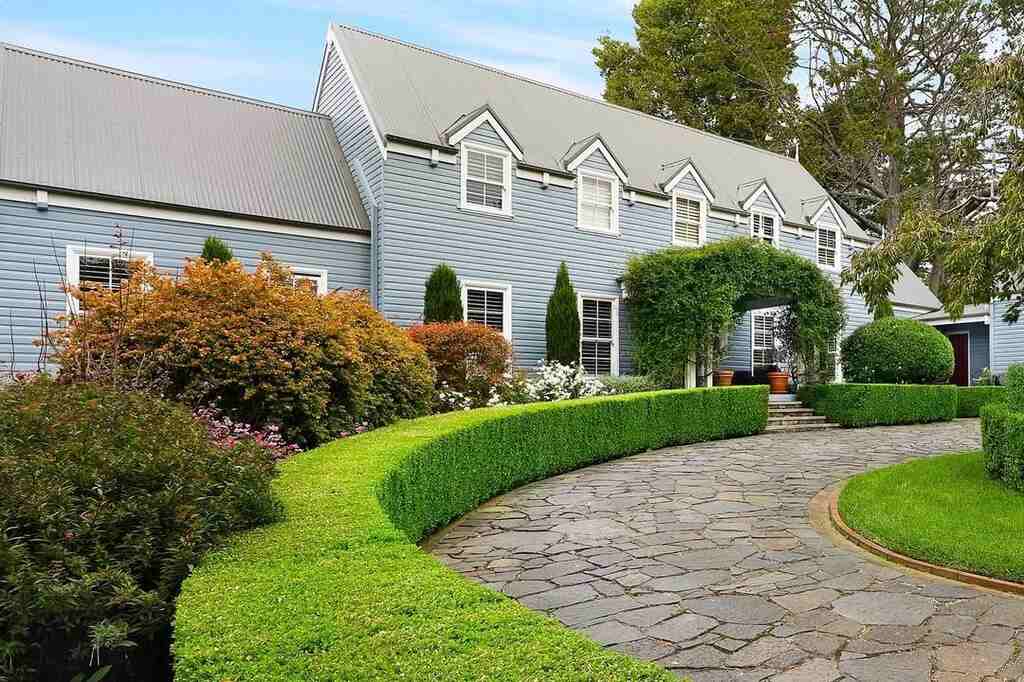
<point>942,510</point>
<point>339,590</point>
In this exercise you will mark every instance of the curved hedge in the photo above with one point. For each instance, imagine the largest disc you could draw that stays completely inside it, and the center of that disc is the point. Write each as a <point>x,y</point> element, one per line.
<point>885,404</point>
<point>339,590</point>
<point>894,351</point>
<point>973,398</point>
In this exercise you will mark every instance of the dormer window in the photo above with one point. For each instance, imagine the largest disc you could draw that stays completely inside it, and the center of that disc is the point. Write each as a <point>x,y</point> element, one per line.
<point>764,226</point>
<point>486,179</point>
<point>827,243</point>
<point>597,206</point>
<point>689,216</point>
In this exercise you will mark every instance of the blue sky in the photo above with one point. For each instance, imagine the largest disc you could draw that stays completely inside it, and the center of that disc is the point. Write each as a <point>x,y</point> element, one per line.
<point>271,49</point>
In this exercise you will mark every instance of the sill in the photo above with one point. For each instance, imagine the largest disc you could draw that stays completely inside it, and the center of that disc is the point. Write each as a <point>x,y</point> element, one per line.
<point>483,211</point>
<point>594,230</point>
<point>689,245</point>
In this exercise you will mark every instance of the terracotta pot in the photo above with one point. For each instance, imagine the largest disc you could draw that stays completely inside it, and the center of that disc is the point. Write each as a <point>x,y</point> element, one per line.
<point>723,377</point>
<point>778,382</point>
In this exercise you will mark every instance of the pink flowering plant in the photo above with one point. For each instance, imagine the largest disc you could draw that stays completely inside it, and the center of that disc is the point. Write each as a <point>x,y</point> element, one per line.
<point>226,433</point>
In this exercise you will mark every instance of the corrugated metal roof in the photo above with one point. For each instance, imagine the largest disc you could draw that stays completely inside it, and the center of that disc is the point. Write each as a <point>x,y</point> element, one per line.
<point>417,93</point>
<point>910,290</point>
<point>970,311</point>
<point>66,124</point>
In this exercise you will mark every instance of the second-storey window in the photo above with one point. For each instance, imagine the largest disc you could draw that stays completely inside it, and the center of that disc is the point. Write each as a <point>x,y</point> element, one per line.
<point>488,304</point>
<point>486,179</point>
<point>827,248</point>
<point>598,331</point>
<point>687,221</point>
<point>763,226</point>
<point>597,203</point>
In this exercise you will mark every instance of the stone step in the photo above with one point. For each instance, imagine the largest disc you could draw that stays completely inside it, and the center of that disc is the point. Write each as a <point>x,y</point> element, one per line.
<point>805,419</point>
<point>793,428</point>
<point>785,405</point>
<point>790,412</point>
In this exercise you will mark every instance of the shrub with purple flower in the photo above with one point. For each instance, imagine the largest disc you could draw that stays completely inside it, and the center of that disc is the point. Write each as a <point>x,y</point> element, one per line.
<point>226,432</point>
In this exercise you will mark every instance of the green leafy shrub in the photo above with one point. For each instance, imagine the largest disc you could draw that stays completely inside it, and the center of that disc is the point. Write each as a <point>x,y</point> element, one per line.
<point>442,297</point>
<point>622,385</point>
<point>1002,432</point>
<point>972,398</point>
<point>109,498</point>
<point>894,351</point>
<point>468,358</point>
<point>878,404</point>
<point>562,324</point>
<point>340,591</point>
<point>216,251</point>
<point>1014,380</point>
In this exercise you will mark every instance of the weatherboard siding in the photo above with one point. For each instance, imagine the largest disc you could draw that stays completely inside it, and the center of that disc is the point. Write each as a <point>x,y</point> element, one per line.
<point>33,248</point>
<point>338,100</point>
<point>1007,340</point>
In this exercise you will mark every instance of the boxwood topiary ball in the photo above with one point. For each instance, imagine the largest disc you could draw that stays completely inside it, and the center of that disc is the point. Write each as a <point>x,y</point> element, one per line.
<point>894,351</point>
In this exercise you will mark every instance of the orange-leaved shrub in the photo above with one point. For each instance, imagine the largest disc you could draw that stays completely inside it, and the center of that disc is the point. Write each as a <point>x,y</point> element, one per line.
<point>469,358</point>
<point>252,344</point>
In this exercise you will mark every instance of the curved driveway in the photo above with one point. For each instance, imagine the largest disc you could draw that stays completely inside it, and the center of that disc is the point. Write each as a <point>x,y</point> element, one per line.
<point>703,559</point>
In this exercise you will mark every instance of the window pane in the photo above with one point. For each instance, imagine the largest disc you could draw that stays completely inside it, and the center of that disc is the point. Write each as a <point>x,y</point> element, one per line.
<point>687,225</point>
<point>476,164</point>
<point>487,307</point>
<point>94,270</point>
<point>493,196</point>
<point>495,168</point>
<point>476,192</point>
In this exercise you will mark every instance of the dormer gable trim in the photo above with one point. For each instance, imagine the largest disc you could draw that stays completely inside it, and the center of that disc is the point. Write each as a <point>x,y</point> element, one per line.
<point>827,207</point>
<point>595,143</point>
<point>689,169</point>
<point>467,123</point>
<point>764,188</point>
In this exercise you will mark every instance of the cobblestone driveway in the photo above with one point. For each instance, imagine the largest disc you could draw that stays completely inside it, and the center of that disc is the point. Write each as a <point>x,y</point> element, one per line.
<point>703,559</point>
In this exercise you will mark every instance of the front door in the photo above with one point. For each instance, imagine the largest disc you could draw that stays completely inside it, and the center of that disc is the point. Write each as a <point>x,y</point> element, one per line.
<point>961,359</point>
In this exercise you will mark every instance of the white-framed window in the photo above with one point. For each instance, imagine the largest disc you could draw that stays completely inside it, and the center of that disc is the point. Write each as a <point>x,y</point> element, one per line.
<point>689,220</point>
<point>488,303</point>
<point>763,339</point>
<point>830,366</point>
<point>98,267</point>
<point>765,226</point>
<point>313,278</point>
<point>597,202</point>
<point>828,248</point>
<point>599,334</point>
<point>486,179</point>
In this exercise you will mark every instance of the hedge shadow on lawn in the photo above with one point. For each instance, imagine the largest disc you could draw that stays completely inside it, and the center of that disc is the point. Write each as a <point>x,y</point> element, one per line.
<point>339,590</point>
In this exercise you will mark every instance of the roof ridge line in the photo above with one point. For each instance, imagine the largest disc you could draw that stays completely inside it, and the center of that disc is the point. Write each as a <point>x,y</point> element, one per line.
<point>156,80</point>
<point>556,88</point>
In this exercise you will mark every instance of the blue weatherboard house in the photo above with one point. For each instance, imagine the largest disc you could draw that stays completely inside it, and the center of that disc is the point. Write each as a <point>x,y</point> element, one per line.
<point>409,158</point>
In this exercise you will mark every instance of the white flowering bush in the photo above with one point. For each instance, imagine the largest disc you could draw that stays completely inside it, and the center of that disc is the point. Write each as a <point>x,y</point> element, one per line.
<point>450,400</point>
<point>555,381</point>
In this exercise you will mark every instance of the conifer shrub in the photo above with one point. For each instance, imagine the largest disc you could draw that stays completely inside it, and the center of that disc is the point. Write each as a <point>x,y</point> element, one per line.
<point>562,324</point>
<point>442,298</point>
<point>216,250</point>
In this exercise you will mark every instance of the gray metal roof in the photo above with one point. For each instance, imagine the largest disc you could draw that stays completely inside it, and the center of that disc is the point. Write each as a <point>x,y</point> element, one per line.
<point>910,290</point>
<point>71,125</point>
<point>417,93</point>
<point>970,311</point>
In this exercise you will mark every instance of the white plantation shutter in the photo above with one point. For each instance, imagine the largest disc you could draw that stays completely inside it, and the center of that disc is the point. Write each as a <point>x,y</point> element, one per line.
<point>687,221</point>
<point>486,307</point>
<point>485,179</point>
<point>827,247</point>
<point>596,202</point>
<point>764,339</point>
<point>764,227</point>
<point>99,267</point>
<point>597,335</point>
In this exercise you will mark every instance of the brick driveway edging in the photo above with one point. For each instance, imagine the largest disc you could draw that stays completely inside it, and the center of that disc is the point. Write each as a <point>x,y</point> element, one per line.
<point>703,558</point>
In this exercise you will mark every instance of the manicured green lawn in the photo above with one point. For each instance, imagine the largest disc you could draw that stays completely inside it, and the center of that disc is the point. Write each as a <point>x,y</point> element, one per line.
<point>943,510</point>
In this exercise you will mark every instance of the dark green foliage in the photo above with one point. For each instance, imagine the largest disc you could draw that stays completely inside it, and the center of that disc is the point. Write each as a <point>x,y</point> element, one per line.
<point>562,324</point>
<point>973,398</point>
<point>884,309</point>
<point>216,251</point>
<point>1014,380</point>
<point>624,384</point>
<point>878,404</point>
<point>1002,437</point>
<point>442,299</point>
<point>109,498</point>
<point>681,300</point>
<point>893,351</point>
<point>340,591</point>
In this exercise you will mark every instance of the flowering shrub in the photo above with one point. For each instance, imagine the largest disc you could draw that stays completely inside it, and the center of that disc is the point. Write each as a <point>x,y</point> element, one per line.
<point>469,359</point>
<point>251,344</point>
<point>109,499</point>
<point>226,433</point>
<point>555,381</point>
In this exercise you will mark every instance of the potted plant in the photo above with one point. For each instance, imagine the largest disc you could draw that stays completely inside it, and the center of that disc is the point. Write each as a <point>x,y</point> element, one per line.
<point>723,377</point>
<point>778,381</point>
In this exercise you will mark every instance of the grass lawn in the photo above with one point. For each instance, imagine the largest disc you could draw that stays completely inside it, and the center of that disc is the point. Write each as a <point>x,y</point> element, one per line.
<point>943,510</point>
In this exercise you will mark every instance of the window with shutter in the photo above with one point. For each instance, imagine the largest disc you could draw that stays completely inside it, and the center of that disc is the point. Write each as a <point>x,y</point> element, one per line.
<point>764,340</point>
<point>688,221</point>
<point>487,306</point>
<point>597,196</point>
<point>827,247</point>
<point>92,267</point>
<point>485,179</point>
<point>314,279</point>
<point>763,227</point>
<point>598,333</point>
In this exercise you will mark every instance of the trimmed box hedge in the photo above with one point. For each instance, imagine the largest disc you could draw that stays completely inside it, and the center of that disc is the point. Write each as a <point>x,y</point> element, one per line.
<point>339,590</point>
<point>1002,438</point>
<point>855,405</point>
<point>973,398</point>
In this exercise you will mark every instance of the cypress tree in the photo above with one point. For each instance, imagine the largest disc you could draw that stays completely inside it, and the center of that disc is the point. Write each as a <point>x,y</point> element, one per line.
<point>442,300</point>
<point>216,251</point>
<point>563,321</point>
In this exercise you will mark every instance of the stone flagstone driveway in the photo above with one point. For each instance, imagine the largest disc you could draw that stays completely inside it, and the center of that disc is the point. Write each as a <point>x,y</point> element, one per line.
<point>703,559</point>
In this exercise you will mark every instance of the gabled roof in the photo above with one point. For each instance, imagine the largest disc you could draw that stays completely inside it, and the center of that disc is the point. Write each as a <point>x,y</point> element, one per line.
<point>581,151</point>
<point>468,122</point>
<point>83,128</point>
<point>688,168</point>
<point>814,209</point>
<point>910,290</point>
<point>415,93</point>
<point>761,186</point>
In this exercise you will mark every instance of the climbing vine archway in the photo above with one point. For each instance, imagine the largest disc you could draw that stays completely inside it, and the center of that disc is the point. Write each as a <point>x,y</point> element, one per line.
<point>683,301</point>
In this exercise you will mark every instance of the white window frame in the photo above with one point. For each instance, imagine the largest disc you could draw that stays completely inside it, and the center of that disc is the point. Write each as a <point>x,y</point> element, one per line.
<point>319,275</point>
<point>776,222</point>
<point>72,265</point>
<point>702,228</point>
<point>506,185</point>
<point>580,296</point>
<point>614,180</point>
<point>775,338</point>
<point>837,265</point>
<point>504,287</point>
